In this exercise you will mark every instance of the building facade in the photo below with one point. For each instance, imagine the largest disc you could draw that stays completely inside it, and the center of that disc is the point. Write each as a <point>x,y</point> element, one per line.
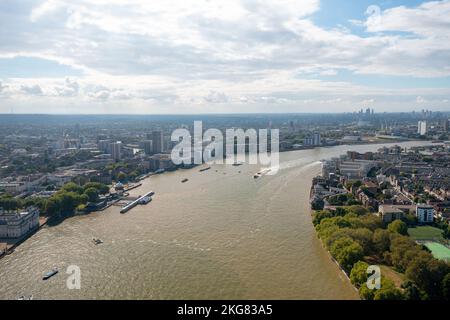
<point>157,142</point>
<point>425,213</point>
<point>116,150</point>
<point>422,128</point>
<point>390,213</point>
<point>17,224</point>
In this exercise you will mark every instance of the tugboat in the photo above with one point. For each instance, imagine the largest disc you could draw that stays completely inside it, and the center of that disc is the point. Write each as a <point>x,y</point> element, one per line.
<point>50,274</point>
<point>97,241</point>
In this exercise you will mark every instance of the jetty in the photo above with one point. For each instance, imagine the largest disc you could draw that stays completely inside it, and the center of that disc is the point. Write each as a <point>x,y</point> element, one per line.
<point>134,203</point>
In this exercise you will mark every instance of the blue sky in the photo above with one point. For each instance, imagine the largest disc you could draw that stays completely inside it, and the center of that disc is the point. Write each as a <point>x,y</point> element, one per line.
<point>199,56</point>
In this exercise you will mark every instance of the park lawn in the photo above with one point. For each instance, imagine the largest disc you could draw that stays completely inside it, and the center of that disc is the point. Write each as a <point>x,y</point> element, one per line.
<point>391,274</point>
<point>425,233</point>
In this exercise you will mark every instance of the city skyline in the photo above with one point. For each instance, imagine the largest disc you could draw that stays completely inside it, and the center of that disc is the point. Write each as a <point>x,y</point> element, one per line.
<point>200,57</point>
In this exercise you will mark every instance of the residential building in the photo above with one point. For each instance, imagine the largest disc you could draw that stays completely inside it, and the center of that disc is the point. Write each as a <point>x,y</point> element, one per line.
<point>104,146</point>
<point>422,128</point>
<point>425,213</point>
<point>157,142</point>
<point>317,140</point>
<point>116,150</point>
<point>390,213</point>
<point>148,147</point>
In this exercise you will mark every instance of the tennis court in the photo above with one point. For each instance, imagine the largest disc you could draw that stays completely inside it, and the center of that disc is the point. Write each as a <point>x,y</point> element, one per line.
<point>438,250</point>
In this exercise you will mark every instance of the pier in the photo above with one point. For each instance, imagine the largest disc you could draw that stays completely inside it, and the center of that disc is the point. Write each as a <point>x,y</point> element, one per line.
<point>134,203</point>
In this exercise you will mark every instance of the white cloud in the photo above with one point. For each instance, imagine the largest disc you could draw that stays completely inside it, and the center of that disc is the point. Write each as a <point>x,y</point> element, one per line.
<point>34,90</point>
<point>69,89</point>
<point>216,53</point>
<point>216,97</point>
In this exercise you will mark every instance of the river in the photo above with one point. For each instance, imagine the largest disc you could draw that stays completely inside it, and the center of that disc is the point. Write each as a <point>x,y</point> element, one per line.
<point>221,235</point>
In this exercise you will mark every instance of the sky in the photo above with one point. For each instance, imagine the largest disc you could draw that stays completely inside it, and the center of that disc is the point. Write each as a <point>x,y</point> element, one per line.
<point>233,56</point>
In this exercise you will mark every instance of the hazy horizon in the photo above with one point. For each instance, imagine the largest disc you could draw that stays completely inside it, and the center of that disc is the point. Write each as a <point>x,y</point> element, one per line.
<point>219,114</point>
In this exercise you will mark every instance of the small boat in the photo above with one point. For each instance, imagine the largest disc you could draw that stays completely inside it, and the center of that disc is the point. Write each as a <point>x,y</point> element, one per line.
<point>50,274</point>
<point>237,164</point>
<point>261,173</point>
<point>205,169</point>
<point>30,297</point>
<point>97,241</point>
<point>184,180</point>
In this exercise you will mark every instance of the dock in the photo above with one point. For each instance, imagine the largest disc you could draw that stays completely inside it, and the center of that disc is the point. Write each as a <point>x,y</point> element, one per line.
<point>134,203</point>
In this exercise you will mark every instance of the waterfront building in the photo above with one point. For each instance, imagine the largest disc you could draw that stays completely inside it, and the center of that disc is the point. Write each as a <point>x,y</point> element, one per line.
<point>329,167</point>
<point>161,161</point>
<point>313,139</point>
<point>425,213</point>
<point>17,224</point>
<point>351,139</point>
<point>308,141</point>
<point>356,169</point>
<point>317,140</point>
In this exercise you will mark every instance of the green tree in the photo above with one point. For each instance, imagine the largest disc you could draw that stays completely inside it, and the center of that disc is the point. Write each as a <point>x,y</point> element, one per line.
<point>122,177</point>
<point>358,210</point>
<point>364,237</point>
<point>399,227</point>
<point>92,194</point>
<point>428,273</point>
<point>388,291</point>
<point>347,252</point>
<point>10,203</point>
<point>320,215</point>
<point>381,241</point>
<point>317,204</point>
<point>446,287</point>
<point>52,206</point>
<point>411,291</point>
<point>101,188</point>
<point>72,187</point>
<point>358,275</point>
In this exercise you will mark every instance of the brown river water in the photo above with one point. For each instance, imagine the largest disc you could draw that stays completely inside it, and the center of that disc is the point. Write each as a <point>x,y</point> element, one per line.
<point>221,235</point>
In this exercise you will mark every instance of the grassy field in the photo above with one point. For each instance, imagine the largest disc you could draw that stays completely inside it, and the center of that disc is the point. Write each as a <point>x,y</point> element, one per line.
<point>439,251</point>
<point>393,275</point>
<point>425,233</point>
